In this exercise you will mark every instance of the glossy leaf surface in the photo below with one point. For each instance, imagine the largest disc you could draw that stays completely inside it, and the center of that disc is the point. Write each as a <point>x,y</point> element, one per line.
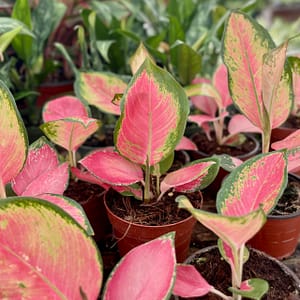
<point>70,133</point>
<point>99,89</point>
<point>154,113</point>
<point>146,272</point>
<point>111,168</point>
<point>258,182</point>
<point>42,172</point>
<point>45,253</point>
<point>189,282</point>
<point>14,141</point>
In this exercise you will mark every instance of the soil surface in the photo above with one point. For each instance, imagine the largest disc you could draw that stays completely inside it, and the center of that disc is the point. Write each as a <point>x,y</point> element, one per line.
<point>217,272</point>
<point>292,122</point>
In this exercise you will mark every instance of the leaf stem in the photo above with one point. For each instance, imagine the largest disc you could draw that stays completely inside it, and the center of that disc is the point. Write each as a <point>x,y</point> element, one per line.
<point>2,190</point>
<point>147,184</point>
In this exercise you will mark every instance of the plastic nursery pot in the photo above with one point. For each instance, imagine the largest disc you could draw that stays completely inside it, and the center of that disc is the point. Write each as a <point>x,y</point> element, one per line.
<point>214,268</point>
<point>279,236</point>
<point>130,235</point>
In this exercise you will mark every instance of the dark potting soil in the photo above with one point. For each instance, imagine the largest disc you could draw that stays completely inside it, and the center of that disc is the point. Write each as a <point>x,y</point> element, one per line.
<point>211,147</point>
<point>217,273</point>
<point>292,122</point>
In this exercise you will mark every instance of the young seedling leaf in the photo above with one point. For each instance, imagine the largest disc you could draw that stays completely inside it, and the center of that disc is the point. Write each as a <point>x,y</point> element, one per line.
<point>14,141</point>
<point>99,89</point>
<point>151,265</point>
<point>42,172</point>
<point>254,288</point>
<point>45,253</point>
<point>258,182</point>
<point>186,144</point>
<point>154,113</point>
<point>234,231</point>
<point>111,168</point>
<point>189,282</point>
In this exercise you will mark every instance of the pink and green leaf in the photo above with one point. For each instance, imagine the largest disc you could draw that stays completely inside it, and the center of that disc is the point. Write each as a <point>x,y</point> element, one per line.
<point>146,272</point>
<point>71,207</point>
<point>254,288</point>
<point>154,111</point>
<point>139,57</point>
<point>190,178</point>
<point>64,107</point>
<point>234,231</point>
<point>14,141</point>
<point>70,133</point>
<point>42,172</point>
<point>45,253</point>
<point>276,86</point>
<point>258,182</point>
<point>244,46</point>
<point>186,144</point>
<point>239,123</point>
<point>98,89</point>
<point>112,168</point>
<point>189,282</point>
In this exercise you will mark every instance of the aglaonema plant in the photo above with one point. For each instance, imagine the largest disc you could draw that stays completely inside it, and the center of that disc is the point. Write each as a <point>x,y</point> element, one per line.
<point>246,196</point>
<point>43,235</point>
<point>259,77</point>
<point>212,99</point>
<point>154,110</point>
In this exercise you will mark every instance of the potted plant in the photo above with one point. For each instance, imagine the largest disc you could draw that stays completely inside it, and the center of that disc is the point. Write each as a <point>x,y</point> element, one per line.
<point>260,86</point>
<point>147,132</point>
<point>247,195</point>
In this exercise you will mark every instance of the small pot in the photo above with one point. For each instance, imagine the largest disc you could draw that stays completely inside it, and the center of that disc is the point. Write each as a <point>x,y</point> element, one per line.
<point>285,272</point>
<point>130,235</point>
<point>279,236</point>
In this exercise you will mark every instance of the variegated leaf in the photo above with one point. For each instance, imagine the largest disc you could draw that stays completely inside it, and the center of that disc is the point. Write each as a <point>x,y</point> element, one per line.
<point>138,58</point>
<point>233,230</point>
<point>276,86</point>
<point>258,182</point>
<point>254,288</point>
<point>45,253</point>
<point>112,168</point>
<point>244,46</point>
<point>64,107</point>
<point>239,123</point>
<point>71,207</point>
<point>99,89</point>
<point>189,282</point>
<point>154,113</point>
<point>141,266</point>
<point>13,141</point>
<point>70,133</point>
<point>42,172</point>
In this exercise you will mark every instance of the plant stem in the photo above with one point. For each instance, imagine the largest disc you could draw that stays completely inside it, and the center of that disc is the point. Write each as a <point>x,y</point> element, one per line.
<point>147,184</point>
<point>266,137</point>
<point>220,294</point>
<point>72,158</point>
<point>2,190</point>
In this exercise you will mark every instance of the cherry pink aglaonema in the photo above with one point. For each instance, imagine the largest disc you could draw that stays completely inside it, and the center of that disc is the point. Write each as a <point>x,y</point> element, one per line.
<point>246,196</point>
<point>43,236</point>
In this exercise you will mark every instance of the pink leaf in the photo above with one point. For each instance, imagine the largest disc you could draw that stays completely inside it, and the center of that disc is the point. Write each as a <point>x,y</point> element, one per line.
<point>88,177</point>
<point>186,144</point>
<point>112,168</point>
<point>137,193</point>
<point>45,254</point>
<point>42,172</point>
<point>72,208</point>
<point>99,89</point>
<point>150,266</point>
<point>201,119</point>
<point>154,113</point>
<point>186,179</point>
<point>64,107</point>
<point>239,123</point>
<point>70,133</point>
<point>14,142</point>
<point>220,81</point>
<point>189,282</point>
<point>258,182</point>
<point>234,231</point>
<point>205,104</point>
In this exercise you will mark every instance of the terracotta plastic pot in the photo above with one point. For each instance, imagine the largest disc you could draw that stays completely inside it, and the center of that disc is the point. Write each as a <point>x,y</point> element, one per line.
<point>280,235</point>
<point>130,235</point>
